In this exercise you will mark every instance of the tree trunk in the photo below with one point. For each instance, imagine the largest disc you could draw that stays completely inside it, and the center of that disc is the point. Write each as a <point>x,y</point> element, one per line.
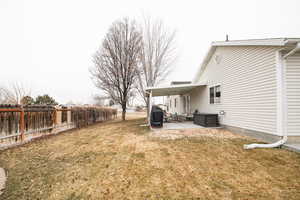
<point>123,112</point>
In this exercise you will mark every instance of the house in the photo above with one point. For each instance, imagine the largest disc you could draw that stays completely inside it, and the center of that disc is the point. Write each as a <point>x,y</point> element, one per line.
<point>254,86</point>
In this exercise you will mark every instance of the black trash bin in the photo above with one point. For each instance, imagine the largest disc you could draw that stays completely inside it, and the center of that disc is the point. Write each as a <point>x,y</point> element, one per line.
<point>157,116</point>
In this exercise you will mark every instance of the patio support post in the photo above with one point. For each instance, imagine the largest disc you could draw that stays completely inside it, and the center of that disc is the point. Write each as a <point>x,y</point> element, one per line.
<point>22,124</point>
<point>149,108</point>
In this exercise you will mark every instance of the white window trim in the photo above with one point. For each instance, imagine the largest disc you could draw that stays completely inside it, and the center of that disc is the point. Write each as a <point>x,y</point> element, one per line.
<point>214,85</point>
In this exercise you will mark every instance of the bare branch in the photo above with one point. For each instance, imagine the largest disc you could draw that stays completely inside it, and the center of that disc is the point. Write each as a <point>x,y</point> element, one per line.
<point>157,55</point>
<point>13,94</point>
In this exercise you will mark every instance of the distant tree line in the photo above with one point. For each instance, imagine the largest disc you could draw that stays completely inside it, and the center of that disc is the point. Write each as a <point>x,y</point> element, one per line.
<point>39,100</point>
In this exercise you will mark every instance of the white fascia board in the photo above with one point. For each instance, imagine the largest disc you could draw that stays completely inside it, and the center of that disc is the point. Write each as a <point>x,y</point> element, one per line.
<point>171,90</point>
<point>292,41</point>
<point>263,42</point>
<point>174,86</point>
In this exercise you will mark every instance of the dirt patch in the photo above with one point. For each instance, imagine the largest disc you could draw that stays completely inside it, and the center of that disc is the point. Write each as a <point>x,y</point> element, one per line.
<point>198,132</point>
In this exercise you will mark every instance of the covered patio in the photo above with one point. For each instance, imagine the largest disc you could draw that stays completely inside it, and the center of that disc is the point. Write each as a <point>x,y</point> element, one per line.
<point>171,90</point>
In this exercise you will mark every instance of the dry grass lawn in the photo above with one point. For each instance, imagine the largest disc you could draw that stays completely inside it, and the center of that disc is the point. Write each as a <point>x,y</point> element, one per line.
<point>122,160</point>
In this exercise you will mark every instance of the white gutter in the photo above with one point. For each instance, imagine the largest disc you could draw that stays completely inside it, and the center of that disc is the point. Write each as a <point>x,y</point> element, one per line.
<point>281,106</point>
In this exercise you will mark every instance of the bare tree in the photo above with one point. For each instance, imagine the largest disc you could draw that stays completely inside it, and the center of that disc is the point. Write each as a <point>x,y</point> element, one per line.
<point>157,55</point>
<point>14,93</point>
<point>116,63</point>
<point>27,100</point>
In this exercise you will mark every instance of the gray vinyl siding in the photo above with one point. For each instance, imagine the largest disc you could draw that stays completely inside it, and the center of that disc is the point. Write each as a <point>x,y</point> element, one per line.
<point>247,75</point>
<point>293,93</point>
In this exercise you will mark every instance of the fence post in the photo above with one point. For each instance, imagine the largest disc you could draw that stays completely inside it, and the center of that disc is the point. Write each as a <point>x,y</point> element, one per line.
<point>22,124</point>
<point>54,123</point>
<point>54,117</point>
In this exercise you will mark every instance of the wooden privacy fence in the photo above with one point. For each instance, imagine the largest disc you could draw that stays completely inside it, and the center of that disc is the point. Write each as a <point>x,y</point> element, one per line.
<point>85,116</point>
<point>21,123</point>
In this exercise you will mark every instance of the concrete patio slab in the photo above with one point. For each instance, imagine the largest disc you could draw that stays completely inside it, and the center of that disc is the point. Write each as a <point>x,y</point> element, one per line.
<point>178,125</point>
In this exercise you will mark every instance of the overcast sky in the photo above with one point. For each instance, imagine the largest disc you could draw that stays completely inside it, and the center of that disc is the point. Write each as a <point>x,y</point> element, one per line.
<point>48,45</point>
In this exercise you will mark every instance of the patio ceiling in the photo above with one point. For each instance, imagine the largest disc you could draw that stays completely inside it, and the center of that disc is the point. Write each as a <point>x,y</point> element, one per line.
<point>172,90</point>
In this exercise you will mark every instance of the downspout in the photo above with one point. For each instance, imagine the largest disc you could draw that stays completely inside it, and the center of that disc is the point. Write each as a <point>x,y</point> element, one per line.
<point>272,145</point>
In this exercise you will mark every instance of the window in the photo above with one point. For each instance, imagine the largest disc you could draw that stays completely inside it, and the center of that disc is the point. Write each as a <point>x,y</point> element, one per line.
<point>175,102</point>
<point>170,103</point>
<point>215,94</point>
<point>218,94</point>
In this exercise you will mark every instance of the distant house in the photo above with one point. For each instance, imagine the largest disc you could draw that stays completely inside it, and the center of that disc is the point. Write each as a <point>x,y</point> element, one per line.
<point>103,101</point>
<point>254,86</point>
